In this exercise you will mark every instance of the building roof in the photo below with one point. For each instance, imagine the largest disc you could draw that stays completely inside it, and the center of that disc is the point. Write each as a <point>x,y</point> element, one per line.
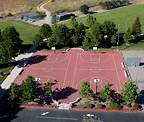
<point>30,14</point>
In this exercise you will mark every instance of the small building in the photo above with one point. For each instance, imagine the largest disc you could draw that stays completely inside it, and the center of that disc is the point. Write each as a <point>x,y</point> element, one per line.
<point>62,17</point>
<point>31,17</point>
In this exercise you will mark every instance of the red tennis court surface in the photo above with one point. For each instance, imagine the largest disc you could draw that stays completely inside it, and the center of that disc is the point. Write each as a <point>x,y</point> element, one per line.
<point>67,71</point>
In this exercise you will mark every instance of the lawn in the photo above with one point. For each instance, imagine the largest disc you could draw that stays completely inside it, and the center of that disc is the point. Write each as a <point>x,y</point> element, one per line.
<point>125,16</point>
<point>23,28</point>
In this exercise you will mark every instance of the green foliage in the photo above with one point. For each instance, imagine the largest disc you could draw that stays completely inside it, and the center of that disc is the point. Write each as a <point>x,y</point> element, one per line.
<point>52,0</point>
<point>85,43</point>
<point>129,105</point>
<point>113,40</point>
<point>84,8</point>
<point>28,89</point>
<point>124,103</point>
<point>75,39</point>
<point>136,27</point>
<point>9,14</point>
<point>73,22</point>
<point>97,33</point>
<point>46,31</point>
<point>113,105</point>
<point>86,91</point>
<point>62,35</point>
<point>100,106</point>
<point>51,42</point>
<point>14,91</point>
<point>129,93</point>
<point>135,106</point>
<point>47,92</point>
<point>90,20</point>
<point>10,43</point>
<point>106,92</point>
<point>127,36</point>
<point>109,30</point>
<point>88,105</point>
<point>37,39</point>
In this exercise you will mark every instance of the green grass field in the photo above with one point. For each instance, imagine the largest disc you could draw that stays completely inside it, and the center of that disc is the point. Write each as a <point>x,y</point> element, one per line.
<point>23,28</point>
<point>124,16</point>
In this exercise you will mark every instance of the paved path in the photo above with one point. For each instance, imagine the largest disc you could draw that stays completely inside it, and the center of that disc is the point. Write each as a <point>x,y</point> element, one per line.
<point>23,59</point>
<point>47,19</point>
<point>133,72</point>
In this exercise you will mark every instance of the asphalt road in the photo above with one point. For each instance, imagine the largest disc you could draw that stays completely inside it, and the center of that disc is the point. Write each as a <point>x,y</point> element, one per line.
<point>37,115</point>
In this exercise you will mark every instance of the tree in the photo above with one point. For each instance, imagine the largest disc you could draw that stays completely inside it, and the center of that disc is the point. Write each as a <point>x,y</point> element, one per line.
<point>113,40</point>
<point>14,91</point>
<point>80,31</point>
<point>10,43</point>
<point>109,30</point>
<point>90,20</point>
<point>84,8</point>
<point>85,43</point>
<point>51,42</point>
<point>136,27</point>
<point>62,35</point>
<point>11,35</point>
<point>28,89</point>
<point>127,36</point>
<point>38,39</point>
<point>129,93</point>
<point>106,92</point>
<point>54,24</point>
<point>86,91</point>
<point>73,22</point>
<point>75,40</point>
<point>97,33</point>
<point>46,31</point>
<point>47,92</point>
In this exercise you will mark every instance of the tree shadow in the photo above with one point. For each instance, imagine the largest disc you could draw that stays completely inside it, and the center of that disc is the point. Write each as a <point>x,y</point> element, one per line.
<point>63,93</point>
<point>6,65</point>
<point>91,12</point>
<point>140,98</point>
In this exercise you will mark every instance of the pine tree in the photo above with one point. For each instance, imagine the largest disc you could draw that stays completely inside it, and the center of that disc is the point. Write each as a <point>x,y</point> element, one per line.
<point>106,92</point>
<point>90,20</point>
<point>129,93</point>
<point>28,89</point>
<point>86,91</point>
<point>85,42</point>
<point>47,92</point>
<point>14,91</point>
<point>127,36</point>
<point>136,27</point>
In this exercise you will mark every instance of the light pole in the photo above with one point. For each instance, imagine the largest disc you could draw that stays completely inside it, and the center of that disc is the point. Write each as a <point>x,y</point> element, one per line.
<point>118,36</point>
<point>3,10</point>
<point>32,33</point>
<point>96,81</point>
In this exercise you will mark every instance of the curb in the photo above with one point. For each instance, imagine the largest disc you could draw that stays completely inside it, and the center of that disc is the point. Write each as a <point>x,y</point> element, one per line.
<point>106,110</point>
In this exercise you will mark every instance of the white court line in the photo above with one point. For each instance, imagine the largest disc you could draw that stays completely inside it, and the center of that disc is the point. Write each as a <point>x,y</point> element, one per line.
<point>85,79</point>
<point>66,71</point>
<point>53,68</point>
<point>116,71</point>
<point>29,67</point>
<point>97,69</point>
<point>94,62</point>
<point>75,70</point>
<point>54,58</point>
<point>57,61</point>
<point>74,119</point>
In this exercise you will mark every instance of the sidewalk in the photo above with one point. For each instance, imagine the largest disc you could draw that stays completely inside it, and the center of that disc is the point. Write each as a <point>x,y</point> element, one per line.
<point>23,59</point>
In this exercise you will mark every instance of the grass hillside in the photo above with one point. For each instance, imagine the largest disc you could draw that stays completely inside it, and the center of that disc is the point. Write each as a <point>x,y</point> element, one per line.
<point>124,16</point>
<point>60,6</point>
<point>23,28</point>
<point>15,6</point>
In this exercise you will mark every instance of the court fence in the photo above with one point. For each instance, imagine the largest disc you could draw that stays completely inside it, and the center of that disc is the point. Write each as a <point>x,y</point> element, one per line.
<point>126,67</point>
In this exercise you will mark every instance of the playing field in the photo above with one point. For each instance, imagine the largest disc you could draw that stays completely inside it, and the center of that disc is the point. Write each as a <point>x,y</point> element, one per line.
<point>67,70</point>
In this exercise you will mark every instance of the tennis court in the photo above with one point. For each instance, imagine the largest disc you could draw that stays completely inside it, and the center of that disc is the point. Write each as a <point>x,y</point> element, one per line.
<point>68,69</point>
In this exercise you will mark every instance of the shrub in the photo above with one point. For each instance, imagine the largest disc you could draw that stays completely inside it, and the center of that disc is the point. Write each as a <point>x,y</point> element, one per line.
<point>9,14</point>
<point>129,105</point>
<point>100,106</point>
<point>94,102</point>
<point>123,104</point>
<point>84,8</point>
<point>52,0</point>
<point>135,106</point>
<point>114,105</point>
<point>88,105</point>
